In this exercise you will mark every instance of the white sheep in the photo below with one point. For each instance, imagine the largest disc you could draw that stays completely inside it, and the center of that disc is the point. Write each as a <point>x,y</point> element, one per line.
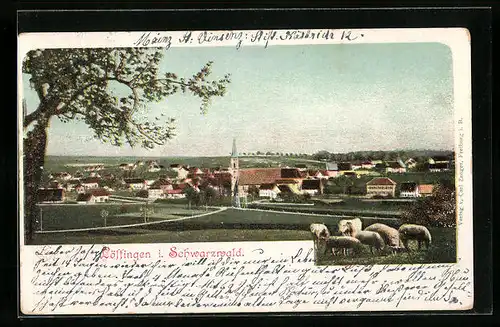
<point>356,225</point>
<point>389,234</point>
<point>418,233</point>
<point>345,243</point>
<point>372,239</point>
<point>319,231</point>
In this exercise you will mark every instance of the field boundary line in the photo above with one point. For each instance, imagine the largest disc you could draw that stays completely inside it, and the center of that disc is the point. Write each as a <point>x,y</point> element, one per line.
<point>129,225</point>
<point>314,214</point>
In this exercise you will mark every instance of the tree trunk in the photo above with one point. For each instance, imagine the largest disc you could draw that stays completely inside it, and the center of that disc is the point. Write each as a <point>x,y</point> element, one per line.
<point>34,159</point>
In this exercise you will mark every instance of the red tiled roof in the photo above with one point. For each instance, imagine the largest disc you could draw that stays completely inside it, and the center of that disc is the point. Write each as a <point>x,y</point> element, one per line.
<point>174,191</point>
<point>381,181</point>
<point>100,192</point>
<point>425,188</point>
<point>258,176</point>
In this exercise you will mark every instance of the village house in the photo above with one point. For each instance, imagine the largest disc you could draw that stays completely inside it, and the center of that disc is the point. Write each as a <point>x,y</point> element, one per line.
<point>439,160</point>
<point>381,186</point>
<point>411,163</point>
<point>90,182</point>
<point>425,189</point>
<point>154,167</point>
<point>175,194</point>
<point>269,190</point>
<point>135,183</point>
<point>163,184</point>
<point>71,184</point>
<point>50,195</point>
<point>127,166</point>
<point>395,167</point>
<point>344,166</point>
<point>100,195</point>
<point>301,167</point>
<point>408,190</point>
<point>316,174</point>
<point>439,167</point>
<point>312,186</point>
<point>155,192</point>
<point>195,171</point>
<point>63,176</point>
<point>80,188</point>
<point>181,171</point>
<point>356,165</point>
<point>367,164</point>
<point>84,198</point>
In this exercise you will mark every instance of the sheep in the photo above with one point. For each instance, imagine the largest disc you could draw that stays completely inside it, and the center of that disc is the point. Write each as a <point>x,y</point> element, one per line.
<point>341,242</point>
<point>419,233</point>
<point>372,239</point>
<point>319,231</point>
<point>344,230</point>
<point>389,234</point>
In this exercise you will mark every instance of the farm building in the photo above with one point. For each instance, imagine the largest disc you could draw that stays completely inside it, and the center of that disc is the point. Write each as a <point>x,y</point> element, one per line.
<point>52,195</point>
<point>381,186</point>
<point>409,190</point>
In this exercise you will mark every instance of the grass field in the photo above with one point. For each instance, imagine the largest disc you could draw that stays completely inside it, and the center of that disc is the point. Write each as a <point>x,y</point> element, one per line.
<point>89,216</point>
<point>234,225</point>
<point>442,250</point>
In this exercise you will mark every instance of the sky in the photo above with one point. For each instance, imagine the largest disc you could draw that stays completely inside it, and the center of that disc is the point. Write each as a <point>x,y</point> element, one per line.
<point>298,99</point>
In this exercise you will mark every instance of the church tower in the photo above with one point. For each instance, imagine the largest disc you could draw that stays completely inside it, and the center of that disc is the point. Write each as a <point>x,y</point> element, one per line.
<point>235,171</point>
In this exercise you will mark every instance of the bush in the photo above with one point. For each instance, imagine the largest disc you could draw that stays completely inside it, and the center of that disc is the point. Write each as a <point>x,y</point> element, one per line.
<point>438,210</point>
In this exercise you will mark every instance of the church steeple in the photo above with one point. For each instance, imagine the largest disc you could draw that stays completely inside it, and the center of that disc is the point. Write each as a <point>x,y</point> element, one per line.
<point>234,169</point>
<point>234,153</point>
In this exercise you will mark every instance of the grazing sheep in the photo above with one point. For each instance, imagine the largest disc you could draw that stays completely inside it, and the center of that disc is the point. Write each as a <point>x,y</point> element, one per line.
<point>372,239</point>
<point>419,233</point>
<point>389,234</point>
<point>354,223</point>
<point>319,231</point>
<point>345,243</point>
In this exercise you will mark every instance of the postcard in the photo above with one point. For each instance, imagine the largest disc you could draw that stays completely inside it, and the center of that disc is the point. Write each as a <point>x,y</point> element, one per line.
<point>183,172</point>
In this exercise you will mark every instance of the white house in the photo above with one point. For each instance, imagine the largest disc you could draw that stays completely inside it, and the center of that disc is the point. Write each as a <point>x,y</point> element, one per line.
<point>181,171</point>
<point>63,176</point>
<point>100,195</point>
<point>410,163</point>
<point>409,190</point>
<point>136,183</point>
<point>90,183</point>
<point>367,165</point>
<point>155,193</point>
<point>395,167</point>
<point>312,186</point>
<point>269,190</point>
